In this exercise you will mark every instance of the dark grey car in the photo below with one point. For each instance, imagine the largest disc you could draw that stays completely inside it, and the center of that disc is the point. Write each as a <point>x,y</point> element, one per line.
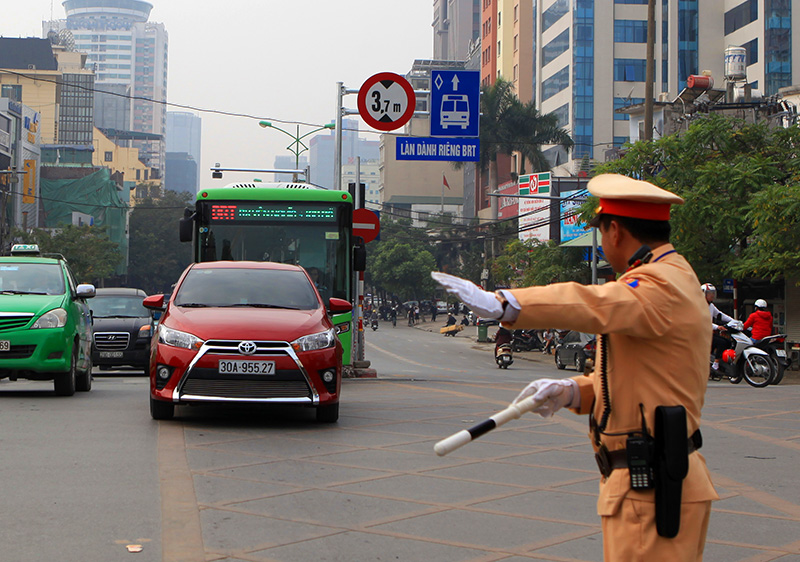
<point>574,349</point>
<point>122,328</point>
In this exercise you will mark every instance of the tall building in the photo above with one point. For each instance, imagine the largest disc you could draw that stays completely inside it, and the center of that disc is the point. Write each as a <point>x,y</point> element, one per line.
<point>129,56</point>
<point>583,73</point>
<point>288,162</point>
<point>322,152</point>
<point>183,142</point>
<point>456,26</point>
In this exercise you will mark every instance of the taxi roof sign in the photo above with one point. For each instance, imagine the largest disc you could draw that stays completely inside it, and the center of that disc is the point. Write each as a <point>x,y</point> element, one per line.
<point>25,249</point>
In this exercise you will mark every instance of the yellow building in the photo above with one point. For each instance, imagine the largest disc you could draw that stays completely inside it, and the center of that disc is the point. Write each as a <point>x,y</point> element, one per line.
<point>123,160</point>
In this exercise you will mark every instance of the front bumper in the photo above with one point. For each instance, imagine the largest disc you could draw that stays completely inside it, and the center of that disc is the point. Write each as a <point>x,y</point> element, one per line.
<point>36,352</point>
<point>195,376</point>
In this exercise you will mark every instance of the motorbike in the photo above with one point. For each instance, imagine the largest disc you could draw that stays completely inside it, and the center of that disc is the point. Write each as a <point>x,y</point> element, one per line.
<point>503,356</point>
<point>374,324</point>
<point>774,346</point>
<point>745,360</point>
<point>525,340</point>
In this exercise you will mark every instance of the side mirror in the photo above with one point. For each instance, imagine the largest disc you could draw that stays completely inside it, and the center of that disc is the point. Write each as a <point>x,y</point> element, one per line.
<point>339,306</point>
<point>85,291</point>
<point>154,302</point>
<point>359,254</point>
<point>187,225</point>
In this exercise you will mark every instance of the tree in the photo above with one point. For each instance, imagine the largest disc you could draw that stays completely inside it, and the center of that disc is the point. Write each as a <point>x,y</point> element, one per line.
<point>157,257</point>
<point>525,264</point>
<point>526,130</point>
<point>730,174</point>
<point>90,254</point>
<point>403,269</point>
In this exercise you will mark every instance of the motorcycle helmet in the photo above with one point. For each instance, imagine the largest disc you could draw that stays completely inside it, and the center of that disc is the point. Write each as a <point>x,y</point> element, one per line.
<point>761,303</point>
<point>728,355</point>
<point>708,288</point>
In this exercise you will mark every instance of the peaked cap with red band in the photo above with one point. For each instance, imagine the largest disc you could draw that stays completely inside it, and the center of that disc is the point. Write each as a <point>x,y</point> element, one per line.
<point>626,197</point>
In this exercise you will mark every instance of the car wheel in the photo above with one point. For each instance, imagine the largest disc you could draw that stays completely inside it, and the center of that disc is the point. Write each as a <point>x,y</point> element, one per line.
<point>64,383</point>
<point>328,414</point>
<point>160,410</point>
<point>579,363</point>
<point>83,383</point>
<point>560,364</point>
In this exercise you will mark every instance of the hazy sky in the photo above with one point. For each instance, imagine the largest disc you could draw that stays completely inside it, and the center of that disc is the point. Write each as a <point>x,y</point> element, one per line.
<point>274,59</point>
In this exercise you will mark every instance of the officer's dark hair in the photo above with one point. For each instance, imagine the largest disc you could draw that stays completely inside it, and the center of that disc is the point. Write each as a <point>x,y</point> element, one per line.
<point>646,231</point>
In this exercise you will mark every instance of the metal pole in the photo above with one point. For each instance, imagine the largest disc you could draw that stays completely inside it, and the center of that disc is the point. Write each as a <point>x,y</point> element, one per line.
<point>359,204</point>
<point>337,158</point>
<point>594,256</point>
<point>649,70</point>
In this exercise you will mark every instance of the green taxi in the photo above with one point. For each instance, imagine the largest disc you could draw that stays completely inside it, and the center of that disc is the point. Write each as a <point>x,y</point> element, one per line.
<point>45,322</point>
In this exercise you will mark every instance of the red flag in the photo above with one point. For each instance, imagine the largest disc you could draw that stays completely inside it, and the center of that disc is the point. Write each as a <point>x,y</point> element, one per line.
<point>444,181</point>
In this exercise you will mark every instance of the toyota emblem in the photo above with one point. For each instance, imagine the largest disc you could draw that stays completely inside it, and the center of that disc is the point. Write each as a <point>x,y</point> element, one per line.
<point>247,348</point>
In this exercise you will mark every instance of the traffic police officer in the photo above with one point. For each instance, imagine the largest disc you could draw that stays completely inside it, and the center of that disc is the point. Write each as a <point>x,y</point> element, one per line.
<point>652,363</point>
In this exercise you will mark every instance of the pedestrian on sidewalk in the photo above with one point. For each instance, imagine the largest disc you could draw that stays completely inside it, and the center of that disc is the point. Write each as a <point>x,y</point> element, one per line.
<point>645,395</point>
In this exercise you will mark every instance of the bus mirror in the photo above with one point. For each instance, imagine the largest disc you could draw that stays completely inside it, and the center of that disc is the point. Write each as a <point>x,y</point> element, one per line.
<point>359,255</point>
<point>186,226</point>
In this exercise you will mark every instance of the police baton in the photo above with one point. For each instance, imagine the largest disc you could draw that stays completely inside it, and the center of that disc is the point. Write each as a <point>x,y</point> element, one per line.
<point>513,412</point>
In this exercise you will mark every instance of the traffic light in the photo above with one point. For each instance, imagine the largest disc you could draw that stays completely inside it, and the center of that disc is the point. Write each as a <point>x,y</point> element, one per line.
<point>360,201</point>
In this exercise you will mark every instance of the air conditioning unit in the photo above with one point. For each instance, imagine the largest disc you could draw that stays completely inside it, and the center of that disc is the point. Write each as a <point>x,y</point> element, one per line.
<point>31,67</point>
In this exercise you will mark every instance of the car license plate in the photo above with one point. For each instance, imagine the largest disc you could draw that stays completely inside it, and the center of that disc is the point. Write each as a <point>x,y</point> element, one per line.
<point>110,354</point>
<point>778,352</point>
<point>237,367</point>
<point>5,345</point>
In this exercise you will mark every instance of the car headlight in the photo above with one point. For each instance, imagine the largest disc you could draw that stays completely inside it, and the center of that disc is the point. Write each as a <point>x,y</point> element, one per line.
<point>177,338</point>
<point>56,318</point>
<point>315,341</point>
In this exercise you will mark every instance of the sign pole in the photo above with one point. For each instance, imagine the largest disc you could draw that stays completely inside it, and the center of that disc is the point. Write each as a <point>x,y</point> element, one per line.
<point>337,158</point>
<point>358,204</point>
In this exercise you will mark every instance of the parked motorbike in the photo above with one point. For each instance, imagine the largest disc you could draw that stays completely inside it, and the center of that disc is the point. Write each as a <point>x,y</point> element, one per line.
<point>745,360</point>
<point>774,346</point>
<point>525,340</point>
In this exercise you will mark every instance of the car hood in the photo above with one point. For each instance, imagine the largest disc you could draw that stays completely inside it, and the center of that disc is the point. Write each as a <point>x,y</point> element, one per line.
<point>36,304</point>
<point>247,323</point>
<point>130,325</point>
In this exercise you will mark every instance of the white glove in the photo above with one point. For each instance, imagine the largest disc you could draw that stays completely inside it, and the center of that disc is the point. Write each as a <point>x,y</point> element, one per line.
<point>557,394</point>
<point>484,303</point>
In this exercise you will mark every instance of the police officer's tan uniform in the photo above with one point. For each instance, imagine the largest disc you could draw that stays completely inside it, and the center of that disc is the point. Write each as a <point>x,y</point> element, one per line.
<point>656,321</point>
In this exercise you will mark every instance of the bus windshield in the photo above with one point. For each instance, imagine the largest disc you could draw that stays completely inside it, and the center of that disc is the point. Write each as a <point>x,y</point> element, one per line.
<point>310,234</point>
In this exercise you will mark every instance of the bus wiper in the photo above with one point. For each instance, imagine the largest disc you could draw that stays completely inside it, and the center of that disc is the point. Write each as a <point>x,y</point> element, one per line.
<point>193,305</point>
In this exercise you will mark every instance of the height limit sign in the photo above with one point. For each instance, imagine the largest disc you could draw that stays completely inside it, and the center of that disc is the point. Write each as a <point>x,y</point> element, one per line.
<point>386,101</point>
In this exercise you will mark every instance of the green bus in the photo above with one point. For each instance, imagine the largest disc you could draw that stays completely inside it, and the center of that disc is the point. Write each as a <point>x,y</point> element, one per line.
<point>296,223</point>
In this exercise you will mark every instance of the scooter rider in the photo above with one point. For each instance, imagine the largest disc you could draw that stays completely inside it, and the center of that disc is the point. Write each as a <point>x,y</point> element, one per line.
<point>760,321</point>
<point>718,343</point>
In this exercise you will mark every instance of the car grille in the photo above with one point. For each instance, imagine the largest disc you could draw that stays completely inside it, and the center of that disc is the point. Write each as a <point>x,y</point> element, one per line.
<point>281,385</point>
<point>111,341</point>
<point>11,321</point>
<point>18,352</point>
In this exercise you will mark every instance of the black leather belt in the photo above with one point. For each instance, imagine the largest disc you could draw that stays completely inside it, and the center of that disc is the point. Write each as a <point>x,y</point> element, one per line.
<point>607,460</point>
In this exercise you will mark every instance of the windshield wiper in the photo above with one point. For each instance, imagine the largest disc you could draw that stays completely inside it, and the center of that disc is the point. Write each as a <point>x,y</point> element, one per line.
<point>258,305</point>
<point>11,292</point>
<point>193,305</point>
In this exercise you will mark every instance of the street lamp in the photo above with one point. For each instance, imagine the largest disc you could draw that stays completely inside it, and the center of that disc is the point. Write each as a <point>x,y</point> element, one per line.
<point>296,147</point>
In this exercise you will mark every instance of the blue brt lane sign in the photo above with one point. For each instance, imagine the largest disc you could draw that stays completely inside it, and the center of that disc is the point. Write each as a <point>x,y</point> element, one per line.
<point>455,103</point>
<point>447,150</point>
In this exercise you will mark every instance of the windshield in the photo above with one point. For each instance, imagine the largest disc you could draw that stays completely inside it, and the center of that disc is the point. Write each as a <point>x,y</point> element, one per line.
<point>31,278</point>
<point>118,306</point>
<point>260,288</point>
<point>318,241</point>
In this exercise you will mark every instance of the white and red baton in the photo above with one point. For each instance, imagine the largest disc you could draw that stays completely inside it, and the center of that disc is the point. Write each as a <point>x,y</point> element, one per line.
<point>513,412</point>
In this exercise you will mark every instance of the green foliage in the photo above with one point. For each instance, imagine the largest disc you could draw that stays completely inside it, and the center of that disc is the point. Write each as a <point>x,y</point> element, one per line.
<point>730,174</point>
<point>524,264</point>
<point>87,249</point>
<point>402,269</point>
<point>157,257</point>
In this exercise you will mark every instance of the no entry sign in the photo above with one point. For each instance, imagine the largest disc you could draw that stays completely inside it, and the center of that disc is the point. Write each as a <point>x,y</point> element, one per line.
<point>366,224</point>
<point>386,101</point>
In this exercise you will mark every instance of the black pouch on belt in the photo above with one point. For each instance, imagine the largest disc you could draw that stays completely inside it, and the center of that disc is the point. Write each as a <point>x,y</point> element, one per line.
<point>672,465</point>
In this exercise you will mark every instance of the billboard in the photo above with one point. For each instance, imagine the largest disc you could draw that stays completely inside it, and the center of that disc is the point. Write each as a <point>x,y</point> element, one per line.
<point>507,207</point>
<point>534,213</point>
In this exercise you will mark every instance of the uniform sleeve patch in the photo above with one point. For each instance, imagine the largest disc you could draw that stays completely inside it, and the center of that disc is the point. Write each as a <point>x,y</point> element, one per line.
<point>633,283</point>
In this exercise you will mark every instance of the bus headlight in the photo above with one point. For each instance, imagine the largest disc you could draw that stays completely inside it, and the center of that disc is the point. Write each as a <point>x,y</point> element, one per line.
<point>315,341</point>
<point>342,328</point>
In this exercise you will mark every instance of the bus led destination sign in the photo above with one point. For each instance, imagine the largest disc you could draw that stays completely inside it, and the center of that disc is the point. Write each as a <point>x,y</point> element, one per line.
<point>273,212</point>
<point>445,149</point>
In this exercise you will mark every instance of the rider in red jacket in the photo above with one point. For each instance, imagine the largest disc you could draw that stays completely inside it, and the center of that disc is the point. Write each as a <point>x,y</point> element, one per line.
<point>760,321</point>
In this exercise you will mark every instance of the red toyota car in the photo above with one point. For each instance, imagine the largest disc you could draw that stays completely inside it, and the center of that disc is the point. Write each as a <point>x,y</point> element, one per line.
<point>245,332</point>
